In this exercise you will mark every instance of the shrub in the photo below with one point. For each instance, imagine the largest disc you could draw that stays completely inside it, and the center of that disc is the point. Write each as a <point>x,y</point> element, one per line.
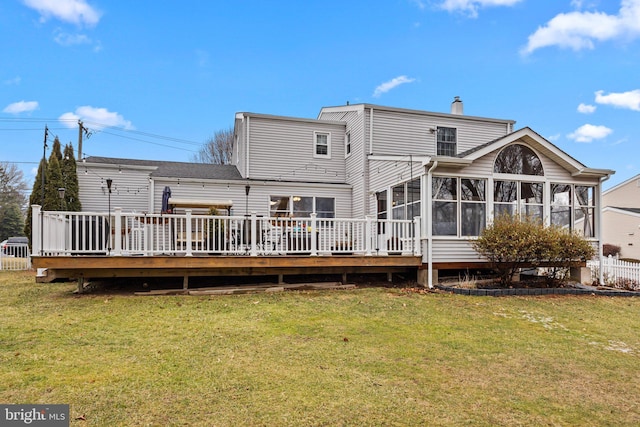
<point>610,250</point>
<point>512,242</point>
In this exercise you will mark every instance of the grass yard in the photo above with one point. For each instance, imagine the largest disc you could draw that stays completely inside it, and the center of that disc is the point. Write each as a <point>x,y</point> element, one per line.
<point>365,357</point>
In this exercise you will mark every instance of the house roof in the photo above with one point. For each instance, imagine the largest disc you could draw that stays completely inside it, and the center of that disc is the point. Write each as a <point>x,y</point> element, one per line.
<point>622,184</point>
<point>358,107</point>
<point>166,169</point>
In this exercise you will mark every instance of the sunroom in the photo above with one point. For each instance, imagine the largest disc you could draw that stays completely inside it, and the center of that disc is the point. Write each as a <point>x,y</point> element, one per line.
<point>520,174</point>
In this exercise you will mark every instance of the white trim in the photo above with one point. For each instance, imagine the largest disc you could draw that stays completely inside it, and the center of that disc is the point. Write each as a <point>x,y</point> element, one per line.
<point>315,145</point>
<point>620,211</point>
<point>446,142</point>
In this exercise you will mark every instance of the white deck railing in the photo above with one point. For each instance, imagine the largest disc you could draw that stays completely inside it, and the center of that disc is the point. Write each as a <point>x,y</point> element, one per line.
<point>616,273</point>
<point>127,234</point>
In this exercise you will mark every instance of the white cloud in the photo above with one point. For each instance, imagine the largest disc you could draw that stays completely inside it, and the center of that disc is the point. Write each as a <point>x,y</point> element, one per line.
<point>471,6</point>
<point>393,83</point>
<point>579,30</point>
<point>66,39</point>
<point>586,108</point>
<point>73,11</point>
<point>587,133</point>
<point>630,99</point>
<point>554,138</point>
<point>14,81</point>
<point>21,107</point>
<point>96,118</point>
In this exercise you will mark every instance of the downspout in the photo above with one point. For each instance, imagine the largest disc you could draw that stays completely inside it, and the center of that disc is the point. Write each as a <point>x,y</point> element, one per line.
<point>599,226</point>
<point>428,208</point>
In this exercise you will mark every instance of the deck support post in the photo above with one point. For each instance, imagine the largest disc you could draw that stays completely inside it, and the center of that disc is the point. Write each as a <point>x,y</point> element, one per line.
<point>80,284</point>
<point>389,277</point>
<point>280,279</point>
<point>344,278</point>
<point>185,282</point>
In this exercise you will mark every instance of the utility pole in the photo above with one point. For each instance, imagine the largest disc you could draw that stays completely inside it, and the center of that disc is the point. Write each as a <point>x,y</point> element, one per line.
<point>80,129</point>
<point>42,173</point>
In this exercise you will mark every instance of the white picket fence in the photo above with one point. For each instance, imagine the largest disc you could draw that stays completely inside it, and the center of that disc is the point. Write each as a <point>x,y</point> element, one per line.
<point>617,273</point>
<point>18,258</point>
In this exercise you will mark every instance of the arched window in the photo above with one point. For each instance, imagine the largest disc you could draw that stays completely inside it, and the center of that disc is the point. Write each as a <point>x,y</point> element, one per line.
<point>518,160</point>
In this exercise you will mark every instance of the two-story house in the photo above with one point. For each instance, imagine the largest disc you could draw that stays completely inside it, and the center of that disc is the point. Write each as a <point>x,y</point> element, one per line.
<point>452,171</point>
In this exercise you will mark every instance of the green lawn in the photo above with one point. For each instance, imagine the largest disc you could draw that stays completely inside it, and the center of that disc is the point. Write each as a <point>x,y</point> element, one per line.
<point>369,356</point>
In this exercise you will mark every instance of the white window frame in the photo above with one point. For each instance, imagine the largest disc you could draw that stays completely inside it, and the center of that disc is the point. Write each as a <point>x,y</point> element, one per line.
<point>316,145</point>
<point>456,142</point>
<point>347,144</point>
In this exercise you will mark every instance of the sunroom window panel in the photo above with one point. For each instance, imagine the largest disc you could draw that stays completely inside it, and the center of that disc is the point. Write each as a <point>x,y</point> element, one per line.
<point>584,221</point>
<point>505,191</point>
<point>445,219</point>
<point>472,189</point>
<point>445,188</point>
<point>473,219</point>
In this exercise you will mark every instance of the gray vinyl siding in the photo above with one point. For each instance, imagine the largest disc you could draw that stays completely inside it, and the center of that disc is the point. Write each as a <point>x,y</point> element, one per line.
<point>623,196</point>
<point>129,189</point>
<point>283,149</point>
<point>397,132</point>
<point>445,250</point>
<point>259,194</point>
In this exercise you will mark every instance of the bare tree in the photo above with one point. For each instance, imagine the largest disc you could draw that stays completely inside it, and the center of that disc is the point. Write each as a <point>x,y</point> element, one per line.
<point>218,149</point>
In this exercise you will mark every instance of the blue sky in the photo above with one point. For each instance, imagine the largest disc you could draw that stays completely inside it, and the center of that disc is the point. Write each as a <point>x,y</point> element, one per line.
<point>154,80</point>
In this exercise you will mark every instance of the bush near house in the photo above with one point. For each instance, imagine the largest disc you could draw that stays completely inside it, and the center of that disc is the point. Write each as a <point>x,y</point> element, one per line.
<point>512,242</point>
<point>610,250</point>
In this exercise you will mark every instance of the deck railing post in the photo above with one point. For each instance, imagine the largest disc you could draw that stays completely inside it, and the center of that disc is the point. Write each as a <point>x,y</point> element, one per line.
<point>314,234</point>
<point>188,237</point>
<point>36,234</point>
<point>117,246</point>
<point>417,241</point>
<point>368,235</point>
<point>254,234</point>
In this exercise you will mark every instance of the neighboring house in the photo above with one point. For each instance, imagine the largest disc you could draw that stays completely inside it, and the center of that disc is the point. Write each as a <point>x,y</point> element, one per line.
<point>453,171</point>
<point>621,217</point>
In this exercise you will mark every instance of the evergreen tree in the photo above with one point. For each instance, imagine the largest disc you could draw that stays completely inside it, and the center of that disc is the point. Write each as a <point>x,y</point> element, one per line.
<point>53,181</point>
<point>56,150</point>
<point>70,180</point>
<point>11,221</point>
<point>36,196</point>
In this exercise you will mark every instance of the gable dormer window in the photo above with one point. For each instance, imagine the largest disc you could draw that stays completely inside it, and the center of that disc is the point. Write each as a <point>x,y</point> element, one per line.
<point>322,144</point>
<point>446,141</point>
<point>347,144</point>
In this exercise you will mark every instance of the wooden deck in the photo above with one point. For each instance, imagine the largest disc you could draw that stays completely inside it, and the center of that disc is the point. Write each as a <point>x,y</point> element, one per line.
<point>84,268</point>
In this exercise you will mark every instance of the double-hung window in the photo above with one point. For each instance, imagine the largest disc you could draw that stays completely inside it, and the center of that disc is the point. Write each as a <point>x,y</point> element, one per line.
<point>446,141</point>
<point>322,144</point>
